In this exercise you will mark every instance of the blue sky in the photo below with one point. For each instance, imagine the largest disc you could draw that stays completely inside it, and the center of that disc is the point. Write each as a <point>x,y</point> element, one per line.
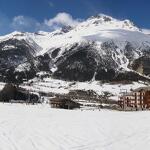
<point>34,15</point>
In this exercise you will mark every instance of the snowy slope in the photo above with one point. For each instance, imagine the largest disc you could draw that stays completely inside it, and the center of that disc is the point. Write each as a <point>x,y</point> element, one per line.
<point>97,28</point>
<point>50,85</point>
<point>42,128</point>
<point>2,85</point>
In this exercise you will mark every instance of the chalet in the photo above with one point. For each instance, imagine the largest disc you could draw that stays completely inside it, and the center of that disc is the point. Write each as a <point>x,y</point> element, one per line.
<point>64,103</point>
<point>136,99</point>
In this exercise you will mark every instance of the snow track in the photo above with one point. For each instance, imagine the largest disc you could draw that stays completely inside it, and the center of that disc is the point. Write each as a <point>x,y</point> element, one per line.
<point>39,127</point>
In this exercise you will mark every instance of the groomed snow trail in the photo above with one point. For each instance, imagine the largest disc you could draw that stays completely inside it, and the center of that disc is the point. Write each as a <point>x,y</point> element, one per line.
<point>26,127</point>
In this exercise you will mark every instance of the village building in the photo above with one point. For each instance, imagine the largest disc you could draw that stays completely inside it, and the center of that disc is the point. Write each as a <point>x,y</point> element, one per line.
<point>64,103</point>
<point>138,99</point>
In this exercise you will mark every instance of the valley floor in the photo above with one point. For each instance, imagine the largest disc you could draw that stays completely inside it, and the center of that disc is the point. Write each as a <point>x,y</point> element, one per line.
<point>38,127</point>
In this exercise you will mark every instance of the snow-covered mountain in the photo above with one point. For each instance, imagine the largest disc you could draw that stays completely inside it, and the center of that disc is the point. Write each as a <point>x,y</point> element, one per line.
<point>99,48</point>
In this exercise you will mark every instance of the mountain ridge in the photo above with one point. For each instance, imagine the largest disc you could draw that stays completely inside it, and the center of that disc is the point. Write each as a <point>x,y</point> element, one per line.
<point>100,46</point>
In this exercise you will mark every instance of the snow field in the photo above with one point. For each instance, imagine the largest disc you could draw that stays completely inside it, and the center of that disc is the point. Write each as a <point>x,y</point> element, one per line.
<point>39,127</point>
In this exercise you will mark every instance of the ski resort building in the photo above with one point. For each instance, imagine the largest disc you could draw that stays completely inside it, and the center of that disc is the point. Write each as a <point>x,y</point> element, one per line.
<point>138,99</point>
<point>63,103</point>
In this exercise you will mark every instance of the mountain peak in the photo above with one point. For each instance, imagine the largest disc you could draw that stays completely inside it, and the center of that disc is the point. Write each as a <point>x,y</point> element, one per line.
<point>102,16</point>
<point>16,33</point>
<point>110,22</point>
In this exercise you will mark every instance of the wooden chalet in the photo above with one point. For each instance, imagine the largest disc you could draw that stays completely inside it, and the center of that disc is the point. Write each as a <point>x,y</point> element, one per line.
<point>137,99</point>
<point>64,103</point>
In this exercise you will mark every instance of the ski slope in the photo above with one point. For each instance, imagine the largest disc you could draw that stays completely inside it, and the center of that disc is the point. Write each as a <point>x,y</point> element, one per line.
<point>26,127</point>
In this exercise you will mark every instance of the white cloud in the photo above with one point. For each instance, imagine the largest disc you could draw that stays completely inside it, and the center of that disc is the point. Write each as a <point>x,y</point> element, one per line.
<point>23,23</point>
<point>28,24</point>
<point>62,19</point>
